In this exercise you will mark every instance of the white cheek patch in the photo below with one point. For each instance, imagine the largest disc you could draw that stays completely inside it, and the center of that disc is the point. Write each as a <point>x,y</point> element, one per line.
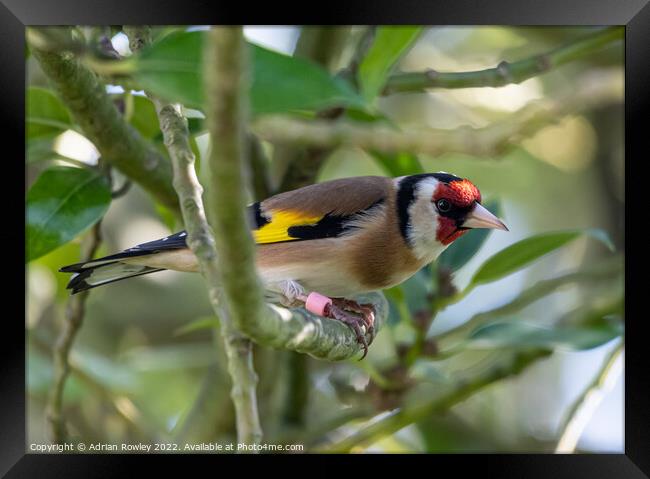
<point>424,222</point>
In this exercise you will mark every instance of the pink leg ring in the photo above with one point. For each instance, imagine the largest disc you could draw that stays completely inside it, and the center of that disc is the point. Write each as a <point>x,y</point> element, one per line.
<point>316,303</point>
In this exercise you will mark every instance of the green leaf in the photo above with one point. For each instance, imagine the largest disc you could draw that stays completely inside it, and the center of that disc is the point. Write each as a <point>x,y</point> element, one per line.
<point>46,114</point>
<point>40,149</point>
<point>144,117</point>
<point>389,45</point>
<point>465,247</point>
<point>524,252</point>
<point>171,68</point>
<point>283,83</point>
<point>62,203</point>
<point>521,335</point>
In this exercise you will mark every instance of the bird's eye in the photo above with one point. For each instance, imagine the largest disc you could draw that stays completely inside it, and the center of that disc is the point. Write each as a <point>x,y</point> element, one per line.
<point>443,205</point>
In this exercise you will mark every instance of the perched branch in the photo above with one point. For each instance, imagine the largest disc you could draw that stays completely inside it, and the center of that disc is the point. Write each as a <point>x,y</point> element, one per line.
<point>505,73</point>
<point>73,319</point>
<point>481,142</point>
<point>586,405</point>
<point>118,143</point>
<point>508,366</point>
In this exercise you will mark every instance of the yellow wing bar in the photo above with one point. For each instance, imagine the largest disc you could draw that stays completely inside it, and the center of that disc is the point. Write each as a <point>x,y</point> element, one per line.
<point>277,229</point>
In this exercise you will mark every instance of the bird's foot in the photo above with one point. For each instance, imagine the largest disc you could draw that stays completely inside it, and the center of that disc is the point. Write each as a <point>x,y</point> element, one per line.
<point>359,317</point>
<point>367,311</point>
<point>354,321</point>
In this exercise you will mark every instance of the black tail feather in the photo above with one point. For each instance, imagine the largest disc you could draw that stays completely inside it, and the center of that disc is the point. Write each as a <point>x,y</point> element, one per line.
<point>82,280</point>
<point>101,271</point>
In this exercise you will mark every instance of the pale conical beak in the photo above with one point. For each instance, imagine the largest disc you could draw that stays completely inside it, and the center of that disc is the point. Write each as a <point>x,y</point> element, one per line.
<point>480,217</point>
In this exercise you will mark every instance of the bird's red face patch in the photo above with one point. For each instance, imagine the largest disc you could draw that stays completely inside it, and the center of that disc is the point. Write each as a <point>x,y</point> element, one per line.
<point>447,231</point>
<point>459,194</point>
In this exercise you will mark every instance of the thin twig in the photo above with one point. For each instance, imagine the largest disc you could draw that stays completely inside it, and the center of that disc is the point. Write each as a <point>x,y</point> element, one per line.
<point>176,135</point>
<point>92,108</point>
<point>585,406</point>
<point>74,316</point>
<point>481,142</point>
<point>505,73</point>
<point>130,414</point>
<point>508,366</point>
<point>599,272</point>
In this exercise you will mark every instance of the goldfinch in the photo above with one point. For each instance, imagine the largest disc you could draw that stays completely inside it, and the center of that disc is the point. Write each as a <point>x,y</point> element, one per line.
<point>321,244</point>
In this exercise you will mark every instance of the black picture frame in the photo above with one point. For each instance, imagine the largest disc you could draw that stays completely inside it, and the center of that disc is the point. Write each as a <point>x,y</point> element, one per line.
<point>634,14</point>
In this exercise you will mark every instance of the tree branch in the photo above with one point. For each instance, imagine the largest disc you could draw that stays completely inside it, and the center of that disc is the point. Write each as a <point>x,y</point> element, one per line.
<point>481,142</point>
<point>74,316</point>
<point>118,143</point>
<point>508,366</point>
<point>505,73</point>
<point>226,81</point>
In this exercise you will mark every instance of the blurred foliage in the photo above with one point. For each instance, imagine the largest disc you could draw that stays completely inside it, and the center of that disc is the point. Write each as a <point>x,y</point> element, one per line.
<point>62,203</point>
<point>171,69</point>
<point>146,365</point>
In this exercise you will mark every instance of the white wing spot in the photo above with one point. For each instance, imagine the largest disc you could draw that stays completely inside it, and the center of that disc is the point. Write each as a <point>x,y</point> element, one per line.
<point>165,239</point>
<point>182,234</point>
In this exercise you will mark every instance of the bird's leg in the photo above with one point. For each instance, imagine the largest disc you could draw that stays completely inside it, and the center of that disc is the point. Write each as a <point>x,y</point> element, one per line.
<point>367,311</point>
<point>292,294</point>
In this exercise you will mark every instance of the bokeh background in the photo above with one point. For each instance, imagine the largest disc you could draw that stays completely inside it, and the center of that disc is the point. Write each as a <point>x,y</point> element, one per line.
<point>141,374</point>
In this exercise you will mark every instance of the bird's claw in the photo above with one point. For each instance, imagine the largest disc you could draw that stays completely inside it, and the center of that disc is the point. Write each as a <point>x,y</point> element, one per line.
<point>352,320</point>
<point>340,309</point>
